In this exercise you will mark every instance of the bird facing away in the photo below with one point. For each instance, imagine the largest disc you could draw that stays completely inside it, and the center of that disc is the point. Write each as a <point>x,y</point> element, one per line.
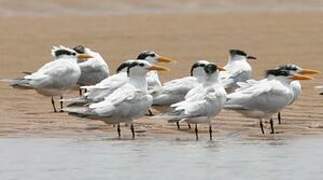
<point>261,99</point>
<point>237,69</point>
<point>126,103</point>
<point>203,106</point>
<point>175,90</point>
<point>55,77</point>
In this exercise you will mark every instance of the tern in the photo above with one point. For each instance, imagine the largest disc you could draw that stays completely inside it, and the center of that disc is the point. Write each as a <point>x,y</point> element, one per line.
<point>295,85</point>
<point>55,77</point>
<point>203,106</point>
<point>261,99</point>
<point>93,71</point>
<point>98,92</point>
<point>237,69</point>
<point>175,90</point>
<point>127,103</point>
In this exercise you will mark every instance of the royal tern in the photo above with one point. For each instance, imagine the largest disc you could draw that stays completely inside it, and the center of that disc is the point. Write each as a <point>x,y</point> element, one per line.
<point>175,90</point>
<point>237,69</point>
<point>261,99</point>
<point>98,92</point>
<point>295,85</point>
<point>55,77</point>
<point>125,104</point>
<point>93,71</point>
<point>202,106</point>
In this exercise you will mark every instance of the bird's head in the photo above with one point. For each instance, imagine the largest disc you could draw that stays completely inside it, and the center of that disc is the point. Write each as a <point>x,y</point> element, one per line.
<point>153,58</point>
<point>64,52</point>
<point>286,75</point>
<point>236,54</point>
<point>197,69</point>
<point>141,67</point>
<point>293,68</point>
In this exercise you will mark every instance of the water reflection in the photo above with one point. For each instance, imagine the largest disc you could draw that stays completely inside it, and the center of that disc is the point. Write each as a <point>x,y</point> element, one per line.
<point>102,158</point>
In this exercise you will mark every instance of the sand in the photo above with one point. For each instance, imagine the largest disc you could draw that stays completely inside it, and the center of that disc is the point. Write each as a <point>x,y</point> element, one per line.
<point>274,38</point>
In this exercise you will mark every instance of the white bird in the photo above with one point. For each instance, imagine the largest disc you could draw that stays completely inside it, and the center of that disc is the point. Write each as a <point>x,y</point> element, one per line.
<point>295,85</point>
<point>98,92</point>
<point>93,71</point>
<point>237,70</point>
<point>175,90</point>
<point>125,104</point>
<point>202,106</point>
<point>55,77</point>
<point>261,99</point>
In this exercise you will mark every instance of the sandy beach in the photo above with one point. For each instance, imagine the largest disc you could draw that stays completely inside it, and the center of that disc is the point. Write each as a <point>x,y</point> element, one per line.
<point>274,38</point>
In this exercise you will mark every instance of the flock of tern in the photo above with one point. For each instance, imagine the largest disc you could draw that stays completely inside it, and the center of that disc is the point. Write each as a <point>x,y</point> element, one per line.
<point>135,88</point>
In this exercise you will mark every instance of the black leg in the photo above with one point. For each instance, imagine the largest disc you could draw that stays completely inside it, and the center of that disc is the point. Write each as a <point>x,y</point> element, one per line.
<point>118,129</point>
<point>53,103</point>
<point>178,126</point>
<point>210,131</point>
<point>150,113</point>
<point>85,90</point>
<point>62,105</point>
<point>189,125</point>
<point>80,92</point>
<point>279,118</point>
<point>272,126</point>
<point>262,127</point>
<point>132,131</point>
<point>196,132</point>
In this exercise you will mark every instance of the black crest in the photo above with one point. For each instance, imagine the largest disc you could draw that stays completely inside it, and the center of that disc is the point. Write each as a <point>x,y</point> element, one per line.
<point>289,67</point>
<point>196,65</point>
<point>146,54</point>
<point>277,72</point>
<point>123,66</point>
<point>60,52</point>
<point>79,49</point>
<point>210,68</point>
<point>238,52</point>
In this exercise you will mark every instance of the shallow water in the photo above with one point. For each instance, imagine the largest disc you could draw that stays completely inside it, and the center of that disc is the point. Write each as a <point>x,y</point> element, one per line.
<point>99,158</point>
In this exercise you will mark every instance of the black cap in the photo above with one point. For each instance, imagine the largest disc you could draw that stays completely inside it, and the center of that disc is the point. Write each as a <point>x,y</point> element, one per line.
<point>145,54</point>
<point>60,52</point>
<point>210,68</point>
<point>277,72</point>
<point>238,52</point>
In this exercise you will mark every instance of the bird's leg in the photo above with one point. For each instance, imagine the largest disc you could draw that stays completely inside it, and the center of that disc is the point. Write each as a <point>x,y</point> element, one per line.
<point>62,105</point>
<point>196,132</point>
<point>80,91</point>
<point>279,118</point>
<point>210,131</point>
<point>53,103</point>
<point>272,126</point>
<point>189,125</point>
<point>262,127</point>
<point>118,129</point>
<point>150,112</point>
<point>132,131</point>
<point>178,126</point>
<point>85,90</point>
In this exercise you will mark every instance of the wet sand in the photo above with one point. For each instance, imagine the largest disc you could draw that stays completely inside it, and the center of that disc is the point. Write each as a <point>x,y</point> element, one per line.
<point>275,38</point>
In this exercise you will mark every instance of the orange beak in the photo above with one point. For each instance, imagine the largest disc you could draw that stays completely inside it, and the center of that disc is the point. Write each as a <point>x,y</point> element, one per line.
<point>309,71</point>
<point>83,57</point>
<point>164,59</point>
<point>221,68</point>
<point>301,77</point>
<point>157,68</point>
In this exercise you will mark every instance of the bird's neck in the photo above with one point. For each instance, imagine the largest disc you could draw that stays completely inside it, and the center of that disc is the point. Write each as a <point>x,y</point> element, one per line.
<point>212,79</point>
<point>138,82</point>
<point>237,59</point>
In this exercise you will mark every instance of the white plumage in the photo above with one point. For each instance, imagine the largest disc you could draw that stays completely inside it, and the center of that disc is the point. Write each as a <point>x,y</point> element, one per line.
<point>126,103</point>
<point>175,90</point>
<point>55,77</point>
<point>237,70</point>
<point>261,99</point>
<point>202,106</point>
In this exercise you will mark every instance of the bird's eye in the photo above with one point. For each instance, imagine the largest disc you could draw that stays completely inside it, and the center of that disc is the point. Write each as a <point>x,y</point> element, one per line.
<point>73,54</point>
<point>152,55</point>
<point>202,65</point>
<point>141,64</point>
